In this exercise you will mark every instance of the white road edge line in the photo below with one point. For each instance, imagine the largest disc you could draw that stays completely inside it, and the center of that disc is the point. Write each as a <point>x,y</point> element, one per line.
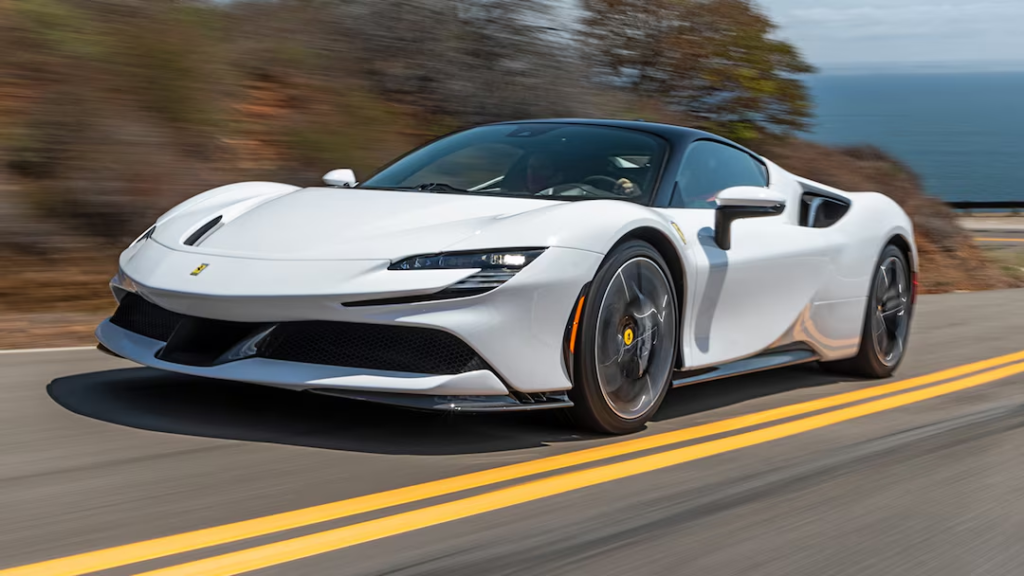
<point>35,350</point>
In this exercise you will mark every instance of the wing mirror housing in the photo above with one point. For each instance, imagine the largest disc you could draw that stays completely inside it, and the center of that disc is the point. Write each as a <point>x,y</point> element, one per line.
<point>342,178</point>
<point>743,202</point>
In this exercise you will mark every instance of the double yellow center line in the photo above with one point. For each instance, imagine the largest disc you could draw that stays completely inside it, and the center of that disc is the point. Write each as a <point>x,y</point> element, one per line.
<point>254,558</point>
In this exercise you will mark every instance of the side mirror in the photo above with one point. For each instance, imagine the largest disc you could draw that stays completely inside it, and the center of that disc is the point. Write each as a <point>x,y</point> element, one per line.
<point>743,202</point>
<point>342,177</point>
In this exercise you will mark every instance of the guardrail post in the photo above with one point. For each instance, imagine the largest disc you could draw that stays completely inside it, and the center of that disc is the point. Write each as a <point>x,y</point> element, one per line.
<point>1013,207</point>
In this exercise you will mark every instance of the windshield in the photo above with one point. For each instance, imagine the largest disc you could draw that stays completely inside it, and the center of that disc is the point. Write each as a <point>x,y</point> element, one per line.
<point>560,161</point>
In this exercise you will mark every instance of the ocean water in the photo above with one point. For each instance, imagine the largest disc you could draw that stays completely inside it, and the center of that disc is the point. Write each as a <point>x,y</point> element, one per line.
<point>963,133</point>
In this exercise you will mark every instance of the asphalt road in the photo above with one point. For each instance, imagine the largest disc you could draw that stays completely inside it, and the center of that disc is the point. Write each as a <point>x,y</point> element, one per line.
<point>925,477</point>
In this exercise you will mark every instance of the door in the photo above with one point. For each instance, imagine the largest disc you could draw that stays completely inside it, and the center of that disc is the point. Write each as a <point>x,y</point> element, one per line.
<point>748,297</point>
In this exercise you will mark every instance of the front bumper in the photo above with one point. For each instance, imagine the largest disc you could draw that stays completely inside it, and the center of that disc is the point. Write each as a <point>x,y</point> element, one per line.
<point>302,376</point>
<point>518,329</point>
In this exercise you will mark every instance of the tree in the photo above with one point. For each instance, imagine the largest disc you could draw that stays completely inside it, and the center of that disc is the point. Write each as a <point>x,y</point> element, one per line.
<point>471,61</point>
<point>715,60</point>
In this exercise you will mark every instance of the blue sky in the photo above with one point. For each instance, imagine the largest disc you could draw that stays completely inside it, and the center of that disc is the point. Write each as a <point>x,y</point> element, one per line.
<point>887,33</point>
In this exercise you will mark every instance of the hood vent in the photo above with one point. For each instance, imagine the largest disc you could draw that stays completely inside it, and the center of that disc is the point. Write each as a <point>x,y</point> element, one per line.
<point>203,232</point>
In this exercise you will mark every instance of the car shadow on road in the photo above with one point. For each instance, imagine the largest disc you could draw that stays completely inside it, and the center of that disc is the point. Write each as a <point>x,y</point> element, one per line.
<point>158,401</point>
<point>717,394</point>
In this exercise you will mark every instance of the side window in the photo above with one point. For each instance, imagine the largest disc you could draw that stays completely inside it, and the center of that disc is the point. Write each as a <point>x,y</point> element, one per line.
<point>709,168</point>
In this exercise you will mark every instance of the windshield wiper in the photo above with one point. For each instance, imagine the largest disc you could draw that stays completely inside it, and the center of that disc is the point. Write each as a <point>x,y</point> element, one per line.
<point>431,187</point>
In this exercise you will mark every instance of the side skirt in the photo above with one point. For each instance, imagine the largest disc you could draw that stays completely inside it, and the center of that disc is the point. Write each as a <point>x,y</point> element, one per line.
<point>778,358</point>
<point>468,404</point>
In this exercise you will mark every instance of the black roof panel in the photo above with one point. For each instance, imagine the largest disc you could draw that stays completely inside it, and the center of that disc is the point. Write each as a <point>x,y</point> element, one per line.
<point>676,134</point>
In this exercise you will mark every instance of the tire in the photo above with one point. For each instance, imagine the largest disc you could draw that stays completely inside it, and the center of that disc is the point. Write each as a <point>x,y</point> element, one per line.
<point>886,321</point>
<point>626,341</point>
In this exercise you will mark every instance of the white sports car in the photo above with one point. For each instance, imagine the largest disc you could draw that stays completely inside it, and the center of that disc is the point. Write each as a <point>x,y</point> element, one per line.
<point>581,264</point>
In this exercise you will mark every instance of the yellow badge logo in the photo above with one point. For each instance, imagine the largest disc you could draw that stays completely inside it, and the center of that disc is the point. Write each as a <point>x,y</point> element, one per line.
<point>200,269</point>
<point>627,336</point>
<point>680,232</point>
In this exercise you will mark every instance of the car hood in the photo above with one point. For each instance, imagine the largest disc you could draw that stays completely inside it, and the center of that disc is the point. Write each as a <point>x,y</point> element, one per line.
<point>347,224</point>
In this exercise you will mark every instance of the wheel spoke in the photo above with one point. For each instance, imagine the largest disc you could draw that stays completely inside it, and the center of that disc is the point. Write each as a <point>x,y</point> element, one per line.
<point>882,338</point>
<point>893,301</point>
<point>638,282</point>
<point>614,358</point>
<point>891,311</point>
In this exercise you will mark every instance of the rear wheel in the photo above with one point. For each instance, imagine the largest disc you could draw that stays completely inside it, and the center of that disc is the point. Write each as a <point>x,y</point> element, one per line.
<point>626,344</point>
<point>886,322</point>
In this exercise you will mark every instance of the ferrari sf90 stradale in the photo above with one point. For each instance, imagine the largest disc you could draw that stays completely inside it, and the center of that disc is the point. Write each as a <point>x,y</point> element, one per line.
<point>582,264</point>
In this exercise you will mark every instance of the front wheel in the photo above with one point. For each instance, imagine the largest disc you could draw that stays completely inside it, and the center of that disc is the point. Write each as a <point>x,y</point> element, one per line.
<point>886,321</point>
<point>626,345</point>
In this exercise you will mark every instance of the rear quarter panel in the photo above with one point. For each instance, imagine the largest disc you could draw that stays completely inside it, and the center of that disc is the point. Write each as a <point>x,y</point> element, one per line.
<point>834,321</point>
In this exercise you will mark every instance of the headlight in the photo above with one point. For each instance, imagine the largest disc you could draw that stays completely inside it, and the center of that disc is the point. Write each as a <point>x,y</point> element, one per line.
<point>509,260</point>
<point>495,268</point>
<point>121,284</point>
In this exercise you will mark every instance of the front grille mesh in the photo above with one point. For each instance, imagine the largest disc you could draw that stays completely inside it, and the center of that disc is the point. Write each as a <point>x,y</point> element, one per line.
<point>372,347</point>
<point>142,317</point>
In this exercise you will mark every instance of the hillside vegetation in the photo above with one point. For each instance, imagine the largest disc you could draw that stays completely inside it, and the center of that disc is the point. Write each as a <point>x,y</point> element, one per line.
<point>112,111</point>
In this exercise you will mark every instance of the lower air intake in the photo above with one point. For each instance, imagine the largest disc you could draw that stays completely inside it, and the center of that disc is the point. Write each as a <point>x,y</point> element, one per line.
<point>371,347</point>
<point>205,342</point>
<point>138,315</point>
